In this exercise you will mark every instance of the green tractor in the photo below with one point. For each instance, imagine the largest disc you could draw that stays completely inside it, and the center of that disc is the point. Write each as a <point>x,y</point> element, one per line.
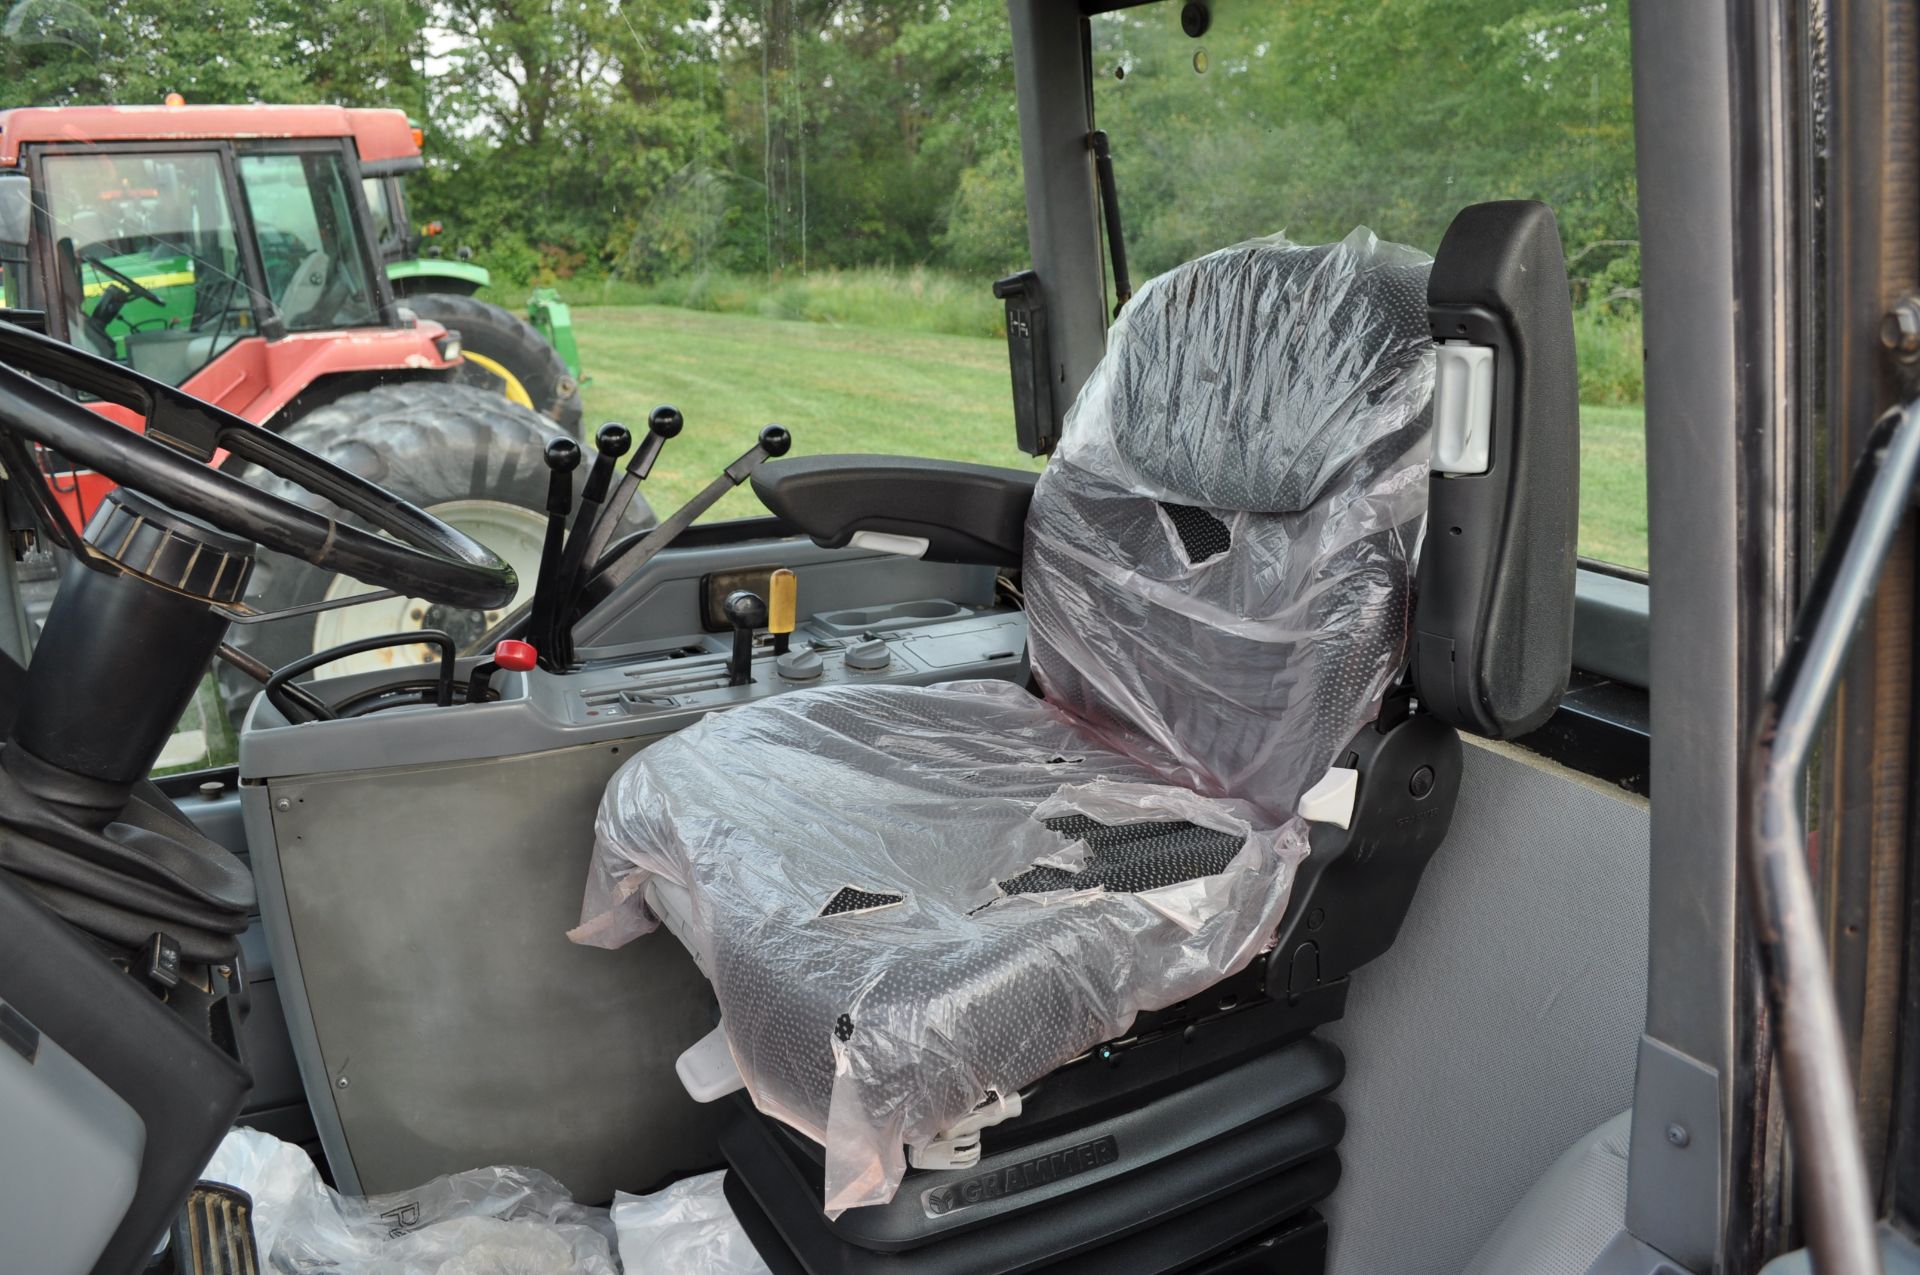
<point>533,361</point>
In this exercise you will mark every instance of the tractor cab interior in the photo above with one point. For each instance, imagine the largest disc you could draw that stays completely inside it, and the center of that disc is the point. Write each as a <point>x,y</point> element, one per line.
<point>1224,849</point>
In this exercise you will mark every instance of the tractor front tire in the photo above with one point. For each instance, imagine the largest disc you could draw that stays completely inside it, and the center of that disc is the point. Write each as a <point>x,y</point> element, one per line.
<point>506,354</point>
<point>465,454</point>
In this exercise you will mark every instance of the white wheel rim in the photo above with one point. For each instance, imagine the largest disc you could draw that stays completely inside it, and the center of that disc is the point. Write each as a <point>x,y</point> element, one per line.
<point>516,534</point>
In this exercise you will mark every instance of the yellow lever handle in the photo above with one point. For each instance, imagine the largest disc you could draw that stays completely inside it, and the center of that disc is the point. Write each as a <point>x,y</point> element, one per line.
<point>783,597</point>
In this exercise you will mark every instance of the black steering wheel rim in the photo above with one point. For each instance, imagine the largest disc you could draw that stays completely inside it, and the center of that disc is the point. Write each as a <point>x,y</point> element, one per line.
<point>131,284</point>
<point>425,558</point>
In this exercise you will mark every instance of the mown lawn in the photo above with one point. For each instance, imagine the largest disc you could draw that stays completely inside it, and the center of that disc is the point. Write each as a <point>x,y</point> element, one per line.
<point>839,389</point>
<point>1613,485</point>
<point>866,389</point>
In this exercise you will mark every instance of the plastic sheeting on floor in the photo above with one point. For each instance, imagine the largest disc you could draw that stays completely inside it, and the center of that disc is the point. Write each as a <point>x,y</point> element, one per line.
<point>687,1229</point>
<point>494,1221</point>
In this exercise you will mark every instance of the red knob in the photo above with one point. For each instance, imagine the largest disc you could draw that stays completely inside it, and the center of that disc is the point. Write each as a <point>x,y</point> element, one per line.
<point>515,657</point>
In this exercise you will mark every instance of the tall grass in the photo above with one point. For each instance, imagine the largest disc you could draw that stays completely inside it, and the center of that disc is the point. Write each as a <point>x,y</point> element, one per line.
<point>911,300</point>
<point>1611,357</point>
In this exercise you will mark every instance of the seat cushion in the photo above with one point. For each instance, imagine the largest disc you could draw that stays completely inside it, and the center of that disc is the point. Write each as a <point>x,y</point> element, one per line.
<point>913,897</point>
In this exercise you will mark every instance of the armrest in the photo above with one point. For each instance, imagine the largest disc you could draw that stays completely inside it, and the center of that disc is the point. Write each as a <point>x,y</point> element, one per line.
<point>1493,624</point>
<point>965,513</point>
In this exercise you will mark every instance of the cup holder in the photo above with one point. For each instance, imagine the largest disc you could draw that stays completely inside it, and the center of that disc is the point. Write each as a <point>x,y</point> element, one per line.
<point>896,615</point>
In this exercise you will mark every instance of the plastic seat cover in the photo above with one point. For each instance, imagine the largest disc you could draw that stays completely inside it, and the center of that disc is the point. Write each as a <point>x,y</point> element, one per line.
<point>912,898</point>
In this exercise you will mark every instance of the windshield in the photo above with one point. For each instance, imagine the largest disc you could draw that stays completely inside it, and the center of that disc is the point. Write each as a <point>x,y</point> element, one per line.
<point>1309,120</point>
<point>149,265</point>
<point>310,244</point>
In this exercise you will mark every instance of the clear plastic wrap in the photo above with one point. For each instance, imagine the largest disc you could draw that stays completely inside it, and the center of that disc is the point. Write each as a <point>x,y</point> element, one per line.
<point>912,898</point>
<point>497,1221</point>
<point>1268,403</point>
<point>686,1229</point>
<point>881,1027</point>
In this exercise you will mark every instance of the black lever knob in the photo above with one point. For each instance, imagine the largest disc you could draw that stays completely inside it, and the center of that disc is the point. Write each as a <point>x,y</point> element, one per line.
<point>613,440</point>
<point>745,611</point>
<point>775,440</point>
<point>562,457</point>
<point>666,421</point>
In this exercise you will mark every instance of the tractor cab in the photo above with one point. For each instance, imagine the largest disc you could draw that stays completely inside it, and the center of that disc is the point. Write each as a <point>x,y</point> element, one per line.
<point>1261,825</point>
<point>220,249</point>
<point>161,253</point>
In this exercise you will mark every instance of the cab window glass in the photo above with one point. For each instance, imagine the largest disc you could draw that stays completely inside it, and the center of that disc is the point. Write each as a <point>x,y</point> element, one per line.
<point>310,245</point>
<point>149,267</point>
<point>826,256</point>
<point>1311,119</point>
<point>375,189</point>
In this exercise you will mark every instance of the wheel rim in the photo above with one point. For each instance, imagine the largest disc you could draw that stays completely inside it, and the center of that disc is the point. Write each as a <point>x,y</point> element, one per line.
<point>516,534</point>
<point>509,383</point>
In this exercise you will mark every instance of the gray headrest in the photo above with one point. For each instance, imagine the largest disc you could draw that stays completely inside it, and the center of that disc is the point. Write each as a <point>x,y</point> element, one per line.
<point>1250,378</point>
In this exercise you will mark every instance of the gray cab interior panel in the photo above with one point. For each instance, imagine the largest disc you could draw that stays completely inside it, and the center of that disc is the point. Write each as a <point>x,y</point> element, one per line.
<point>70,1149</point>
<point>430,1000</point>
<point>1502,1026</point>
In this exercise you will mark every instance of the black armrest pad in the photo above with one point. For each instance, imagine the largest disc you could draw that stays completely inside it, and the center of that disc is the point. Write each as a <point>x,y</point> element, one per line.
<point>966,513</point>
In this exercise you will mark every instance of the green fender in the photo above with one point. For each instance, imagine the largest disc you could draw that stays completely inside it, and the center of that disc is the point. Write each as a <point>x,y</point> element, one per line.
<point>437,274</point>
<point>553,319</point>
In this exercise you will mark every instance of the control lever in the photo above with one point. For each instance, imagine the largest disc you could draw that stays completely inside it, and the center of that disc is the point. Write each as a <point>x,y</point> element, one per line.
<point>515,657</point>
<point>774,442</point>
<point>621,564</point>
<point>611,443</point>
<point>745,611</point>
<point>662,424</point>
<point>783,600</point>
<point>563,457</point>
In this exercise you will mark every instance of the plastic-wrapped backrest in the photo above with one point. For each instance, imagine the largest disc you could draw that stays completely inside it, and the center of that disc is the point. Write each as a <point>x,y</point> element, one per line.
<point>1219,555</point>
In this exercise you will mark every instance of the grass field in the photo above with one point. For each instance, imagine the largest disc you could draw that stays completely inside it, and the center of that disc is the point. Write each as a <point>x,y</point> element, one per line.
<point>844,388</point>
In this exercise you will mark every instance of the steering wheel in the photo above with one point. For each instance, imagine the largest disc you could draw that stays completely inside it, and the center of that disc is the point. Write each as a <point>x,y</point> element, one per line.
<point>425,558</point>
<point>131,284</point>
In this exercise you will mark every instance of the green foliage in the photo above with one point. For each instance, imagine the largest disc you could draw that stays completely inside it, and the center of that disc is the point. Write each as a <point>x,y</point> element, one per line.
<point>804,157</point>
<point>655,138</point>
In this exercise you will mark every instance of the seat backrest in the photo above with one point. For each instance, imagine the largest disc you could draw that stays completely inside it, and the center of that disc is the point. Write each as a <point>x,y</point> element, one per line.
<point>1219,554</point>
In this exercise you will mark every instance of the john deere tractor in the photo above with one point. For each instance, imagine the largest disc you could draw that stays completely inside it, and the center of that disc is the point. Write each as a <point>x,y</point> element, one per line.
<point>533,361</point>
<point>230,251</point>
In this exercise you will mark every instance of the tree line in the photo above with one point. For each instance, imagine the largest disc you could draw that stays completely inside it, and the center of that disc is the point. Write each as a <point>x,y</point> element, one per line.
<point>649,139</point>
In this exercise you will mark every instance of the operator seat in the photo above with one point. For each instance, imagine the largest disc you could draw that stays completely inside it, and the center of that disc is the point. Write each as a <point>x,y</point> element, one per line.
<point>914,902</point>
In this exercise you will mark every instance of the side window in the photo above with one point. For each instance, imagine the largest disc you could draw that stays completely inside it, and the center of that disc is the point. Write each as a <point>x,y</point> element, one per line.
<point>375,190</point>
<point>311,247</point>
<point>149,267</point>
<point>1280,118</point>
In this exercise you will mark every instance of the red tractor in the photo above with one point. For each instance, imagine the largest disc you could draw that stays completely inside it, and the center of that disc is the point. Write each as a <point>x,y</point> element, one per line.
<point>229,250</point>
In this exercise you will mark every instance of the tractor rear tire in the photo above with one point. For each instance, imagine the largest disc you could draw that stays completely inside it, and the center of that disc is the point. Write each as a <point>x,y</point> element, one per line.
<point>466,453</point>
<point>505,354</point>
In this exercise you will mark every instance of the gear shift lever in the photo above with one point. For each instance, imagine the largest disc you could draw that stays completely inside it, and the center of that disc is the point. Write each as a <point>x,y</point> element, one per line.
<point>746,612</point>
<point>562,457</point>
